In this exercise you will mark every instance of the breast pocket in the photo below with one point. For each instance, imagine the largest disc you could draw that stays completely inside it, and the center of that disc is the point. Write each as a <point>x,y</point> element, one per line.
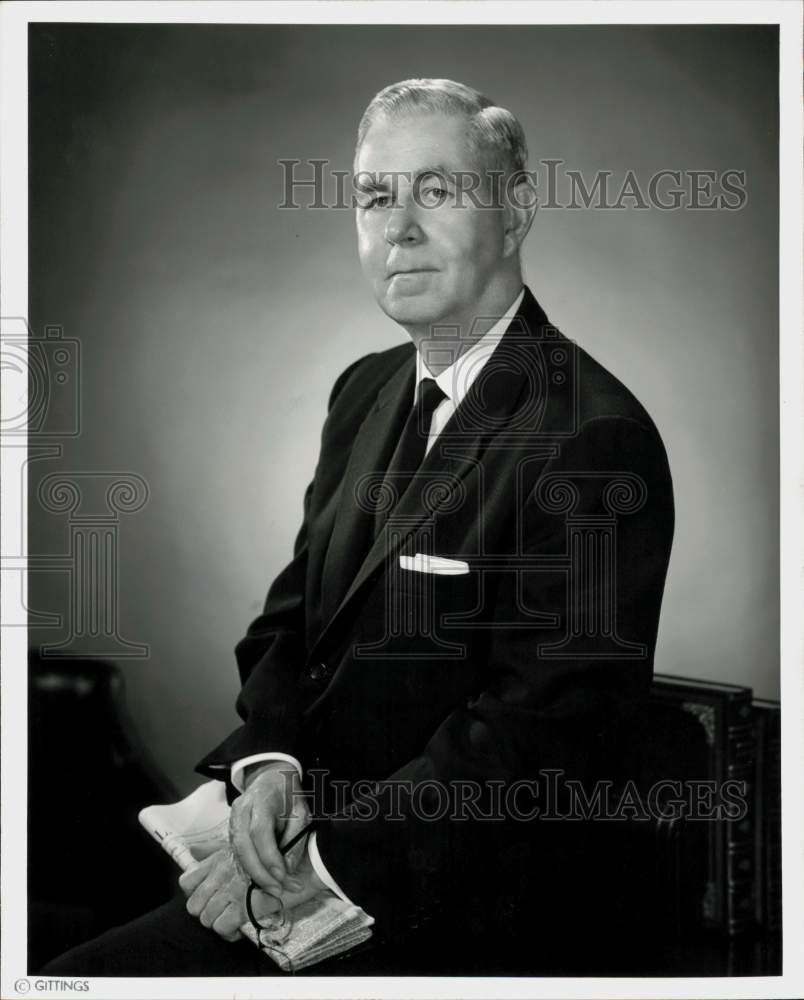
<point>428,600</point>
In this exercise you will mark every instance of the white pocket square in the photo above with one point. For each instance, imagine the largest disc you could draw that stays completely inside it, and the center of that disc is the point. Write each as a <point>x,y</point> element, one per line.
<point>434,564</point>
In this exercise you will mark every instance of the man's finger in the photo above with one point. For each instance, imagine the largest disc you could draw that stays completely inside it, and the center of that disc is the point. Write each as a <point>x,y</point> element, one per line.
<point>216,879</point>
<point>244,851</point>
<point>249,860</point>
<point>296,824</point>
<point>227,923</point>
<point>263,837</point>
<point>193,877</point>
<point>217,906</point>
<point>230,936</point>
<point>264,904</point>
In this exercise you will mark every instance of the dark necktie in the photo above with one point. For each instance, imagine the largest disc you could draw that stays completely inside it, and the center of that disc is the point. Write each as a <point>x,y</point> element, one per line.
<point>412,444</point>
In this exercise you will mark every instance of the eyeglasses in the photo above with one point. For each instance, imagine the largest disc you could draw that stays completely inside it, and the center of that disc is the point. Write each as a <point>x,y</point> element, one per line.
<point>272,935</point>
<point>277,930</point>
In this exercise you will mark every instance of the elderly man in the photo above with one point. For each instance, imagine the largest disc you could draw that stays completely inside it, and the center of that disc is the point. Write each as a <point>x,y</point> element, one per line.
<point>474,595</point>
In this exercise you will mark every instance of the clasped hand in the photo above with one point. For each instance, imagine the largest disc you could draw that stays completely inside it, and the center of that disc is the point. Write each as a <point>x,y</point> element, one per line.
<point>270,810</point>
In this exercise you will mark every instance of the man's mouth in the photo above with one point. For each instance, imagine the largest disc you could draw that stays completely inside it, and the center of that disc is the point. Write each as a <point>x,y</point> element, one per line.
<point>410,270</point>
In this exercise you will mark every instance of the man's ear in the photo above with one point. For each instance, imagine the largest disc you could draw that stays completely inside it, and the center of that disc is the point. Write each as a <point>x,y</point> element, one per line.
<point>519,211</point>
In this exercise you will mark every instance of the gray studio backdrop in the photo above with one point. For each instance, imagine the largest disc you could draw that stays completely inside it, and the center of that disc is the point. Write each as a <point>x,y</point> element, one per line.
<point>212,325</point>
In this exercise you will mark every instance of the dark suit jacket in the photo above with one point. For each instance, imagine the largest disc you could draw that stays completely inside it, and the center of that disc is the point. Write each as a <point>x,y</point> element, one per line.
<point>552,484</point>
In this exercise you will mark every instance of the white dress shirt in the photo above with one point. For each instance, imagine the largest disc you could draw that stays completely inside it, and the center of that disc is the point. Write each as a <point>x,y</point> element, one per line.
<point>454,382</point>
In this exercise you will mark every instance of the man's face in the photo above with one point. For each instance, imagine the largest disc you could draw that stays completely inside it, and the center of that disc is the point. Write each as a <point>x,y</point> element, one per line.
<point>429,253</point>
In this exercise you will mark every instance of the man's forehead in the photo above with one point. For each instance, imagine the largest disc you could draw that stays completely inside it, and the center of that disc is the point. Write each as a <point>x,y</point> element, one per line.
<point>386,179</point>
<point>415,144</point>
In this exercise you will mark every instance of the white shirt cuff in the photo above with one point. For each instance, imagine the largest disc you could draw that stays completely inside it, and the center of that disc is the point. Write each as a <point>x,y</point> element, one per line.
<point>321,869</point>
<point>236,772</point>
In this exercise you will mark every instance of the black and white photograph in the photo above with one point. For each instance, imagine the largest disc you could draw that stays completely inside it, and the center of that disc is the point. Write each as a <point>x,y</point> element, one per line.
<point>401,469</point>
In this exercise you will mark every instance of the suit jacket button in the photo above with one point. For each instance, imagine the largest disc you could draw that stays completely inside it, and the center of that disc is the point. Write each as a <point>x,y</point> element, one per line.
<point>318,671</point>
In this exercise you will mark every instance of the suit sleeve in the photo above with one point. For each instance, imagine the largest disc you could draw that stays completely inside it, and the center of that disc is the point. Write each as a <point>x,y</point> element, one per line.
<point>541,708</point>
<point>270,656</point>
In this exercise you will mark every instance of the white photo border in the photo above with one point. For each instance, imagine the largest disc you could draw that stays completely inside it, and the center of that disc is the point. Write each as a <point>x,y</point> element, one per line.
<point>14,20</point>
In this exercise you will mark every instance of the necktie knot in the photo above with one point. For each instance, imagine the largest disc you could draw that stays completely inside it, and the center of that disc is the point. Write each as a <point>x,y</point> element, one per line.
<point>430,396</point>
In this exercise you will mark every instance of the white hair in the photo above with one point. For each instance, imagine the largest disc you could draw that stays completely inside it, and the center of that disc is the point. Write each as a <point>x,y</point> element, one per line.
<point>491,129</point>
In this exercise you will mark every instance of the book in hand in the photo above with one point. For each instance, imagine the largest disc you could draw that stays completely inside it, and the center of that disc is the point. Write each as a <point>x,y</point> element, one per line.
<point>324,926</point>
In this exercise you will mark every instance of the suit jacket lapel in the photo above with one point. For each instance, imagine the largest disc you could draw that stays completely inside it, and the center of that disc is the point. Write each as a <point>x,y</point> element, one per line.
<point>353,529</point>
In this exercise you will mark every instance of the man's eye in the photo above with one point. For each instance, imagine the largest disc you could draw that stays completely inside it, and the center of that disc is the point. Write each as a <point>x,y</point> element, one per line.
<point>434,195</point>
<point>379,201</point>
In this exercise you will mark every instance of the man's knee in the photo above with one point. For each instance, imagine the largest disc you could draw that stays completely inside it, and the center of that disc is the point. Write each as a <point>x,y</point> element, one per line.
<point>165,942</point>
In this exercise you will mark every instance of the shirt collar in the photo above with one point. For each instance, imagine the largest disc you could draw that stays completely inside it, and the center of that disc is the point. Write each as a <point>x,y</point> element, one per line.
<point>455,381</point>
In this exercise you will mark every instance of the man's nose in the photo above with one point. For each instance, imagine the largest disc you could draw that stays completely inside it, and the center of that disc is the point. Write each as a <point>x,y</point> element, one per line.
<point>402,225</point>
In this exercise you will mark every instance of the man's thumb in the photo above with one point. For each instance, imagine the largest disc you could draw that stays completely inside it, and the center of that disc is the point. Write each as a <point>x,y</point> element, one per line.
<point>295,825</point>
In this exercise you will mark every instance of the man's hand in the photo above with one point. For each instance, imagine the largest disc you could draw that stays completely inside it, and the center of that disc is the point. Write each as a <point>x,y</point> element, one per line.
<point>216,894</point>
<point>271,810</point>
